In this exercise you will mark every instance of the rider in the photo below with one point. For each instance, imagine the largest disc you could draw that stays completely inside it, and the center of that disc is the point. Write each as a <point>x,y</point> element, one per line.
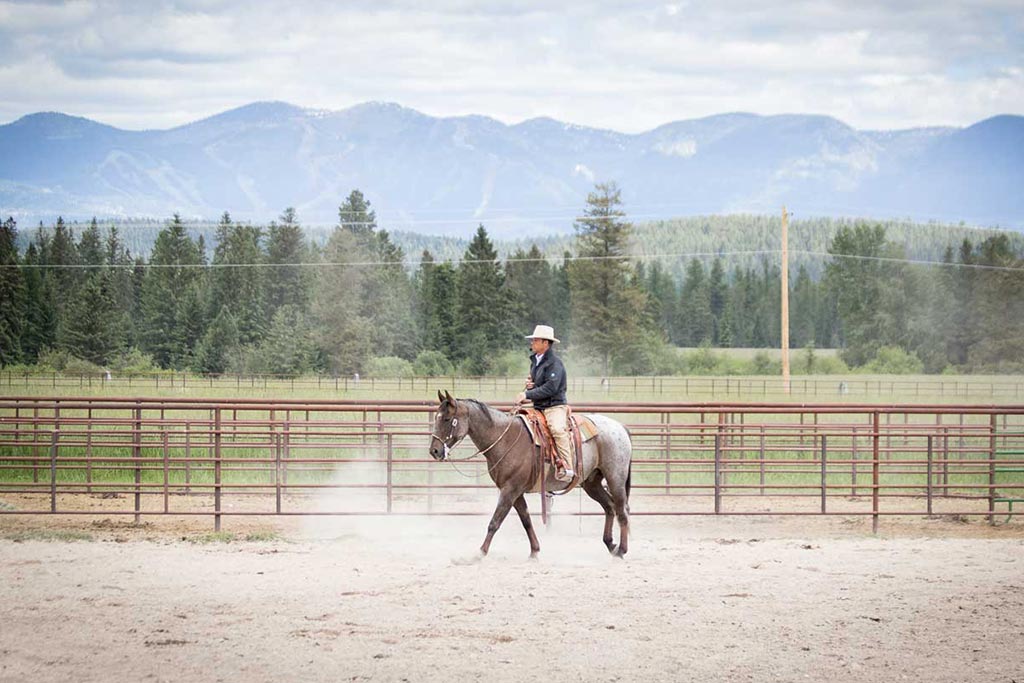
<point>546,388</point>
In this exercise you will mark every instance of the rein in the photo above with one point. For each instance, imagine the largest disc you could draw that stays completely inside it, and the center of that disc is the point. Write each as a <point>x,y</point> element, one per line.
<point>490,467</point>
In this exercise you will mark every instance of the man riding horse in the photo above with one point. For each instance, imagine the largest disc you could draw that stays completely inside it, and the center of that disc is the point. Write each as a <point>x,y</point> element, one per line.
<point>546,388</point>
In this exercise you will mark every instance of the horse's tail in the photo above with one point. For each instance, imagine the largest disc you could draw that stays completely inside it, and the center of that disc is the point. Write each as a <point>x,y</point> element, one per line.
<point>629,468</point>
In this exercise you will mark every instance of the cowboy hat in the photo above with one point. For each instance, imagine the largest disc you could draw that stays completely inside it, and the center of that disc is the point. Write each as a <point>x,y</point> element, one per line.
<point>543,332</point>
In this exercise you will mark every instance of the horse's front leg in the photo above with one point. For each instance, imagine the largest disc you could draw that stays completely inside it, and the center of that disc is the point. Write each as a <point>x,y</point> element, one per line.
<point>524,517</point>
<point>500,512</point>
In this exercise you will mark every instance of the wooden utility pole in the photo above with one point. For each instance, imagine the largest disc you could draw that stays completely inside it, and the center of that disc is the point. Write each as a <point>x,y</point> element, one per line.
<point>785,300</point>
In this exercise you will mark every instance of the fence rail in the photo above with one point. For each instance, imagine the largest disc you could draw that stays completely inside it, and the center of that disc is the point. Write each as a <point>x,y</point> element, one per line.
<point>839,387</point>
<point>179,456</point>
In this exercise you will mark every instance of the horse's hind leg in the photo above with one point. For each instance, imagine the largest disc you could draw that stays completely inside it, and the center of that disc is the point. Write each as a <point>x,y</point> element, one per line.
<point>620,499</point>
<point>524,517</point>
<point>592,485</point>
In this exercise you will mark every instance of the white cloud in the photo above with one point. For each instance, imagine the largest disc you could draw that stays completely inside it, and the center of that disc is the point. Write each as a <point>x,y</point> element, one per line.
<point>874,63</point>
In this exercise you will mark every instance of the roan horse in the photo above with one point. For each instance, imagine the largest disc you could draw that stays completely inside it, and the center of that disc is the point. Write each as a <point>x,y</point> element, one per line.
<point>514,465</point>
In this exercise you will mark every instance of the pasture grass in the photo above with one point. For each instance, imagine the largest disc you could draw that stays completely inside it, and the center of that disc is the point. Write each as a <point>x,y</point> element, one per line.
<point>50,535</point>
<point>215,537</point>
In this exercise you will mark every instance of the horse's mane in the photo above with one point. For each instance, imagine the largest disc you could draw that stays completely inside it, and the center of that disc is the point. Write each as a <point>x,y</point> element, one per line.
<point>484,409</point>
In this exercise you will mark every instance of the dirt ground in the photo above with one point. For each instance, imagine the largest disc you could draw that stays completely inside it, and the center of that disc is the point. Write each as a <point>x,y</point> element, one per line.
<point>395,599</point>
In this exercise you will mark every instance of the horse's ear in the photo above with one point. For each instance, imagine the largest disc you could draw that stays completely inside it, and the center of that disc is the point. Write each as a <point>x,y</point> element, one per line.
<point>449,397</point>
<point>440,396</point>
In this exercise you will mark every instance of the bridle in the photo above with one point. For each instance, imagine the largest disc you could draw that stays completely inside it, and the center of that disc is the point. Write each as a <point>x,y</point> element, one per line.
<point>444,441</point>
<point>451,432</point>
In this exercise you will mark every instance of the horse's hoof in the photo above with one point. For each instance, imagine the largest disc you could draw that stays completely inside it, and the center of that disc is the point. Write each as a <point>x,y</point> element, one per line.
<point>535,556</point>
<point>619,553</point>
<point>612,548</point>
<point>472,559</point>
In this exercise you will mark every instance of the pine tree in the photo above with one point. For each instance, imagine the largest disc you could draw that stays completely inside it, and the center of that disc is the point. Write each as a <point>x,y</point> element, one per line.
<point>869,291</point>
<point>93,332</point>
<point>695,305</point>
<point>61,261</point>
<point>122,284</point>
<point>531,289</point>
<point>40,327</point>
<point>12,295</point>
<point>440,326</point>
<point>561,315</point>
<point>90,246</point>
<point>608,308</point>
<point>1000,309</point>
<point>717,293</point>
<point>235,279</point>
<point>804,307</point>
<point>482,314</point>
<point>168,300</point>
<point>356,217</point>
<point>213,353</point>
<point>344,337</point>
<point>287,282</point>
<point>288,349</point>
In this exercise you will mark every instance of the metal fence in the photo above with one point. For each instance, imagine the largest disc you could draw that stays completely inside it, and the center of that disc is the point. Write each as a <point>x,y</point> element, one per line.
<point>65,455</point>
<point>819,387</point>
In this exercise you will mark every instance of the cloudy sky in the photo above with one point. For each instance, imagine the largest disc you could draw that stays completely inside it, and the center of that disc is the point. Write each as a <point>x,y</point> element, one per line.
<point>628,66</point>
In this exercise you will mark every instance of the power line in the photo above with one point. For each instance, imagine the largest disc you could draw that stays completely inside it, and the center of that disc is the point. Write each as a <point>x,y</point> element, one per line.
<point>623,257</point>
<point>539,215</point>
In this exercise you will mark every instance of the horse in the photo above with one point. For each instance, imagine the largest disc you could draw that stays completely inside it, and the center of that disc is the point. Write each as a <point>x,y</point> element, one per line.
<point>515,466</point>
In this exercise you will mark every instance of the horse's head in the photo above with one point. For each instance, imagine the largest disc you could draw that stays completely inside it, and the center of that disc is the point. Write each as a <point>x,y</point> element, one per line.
<point>450,426</point>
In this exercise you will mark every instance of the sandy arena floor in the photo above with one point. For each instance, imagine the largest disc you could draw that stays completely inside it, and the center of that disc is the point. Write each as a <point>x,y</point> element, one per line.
<point>697,599</point>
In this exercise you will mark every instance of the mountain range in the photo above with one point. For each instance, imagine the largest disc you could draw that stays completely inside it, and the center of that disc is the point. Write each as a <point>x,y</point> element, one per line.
<point>447,175</point>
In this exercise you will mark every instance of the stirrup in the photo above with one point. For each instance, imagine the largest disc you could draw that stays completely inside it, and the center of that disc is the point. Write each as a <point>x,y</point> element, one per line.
<point>565,474</point>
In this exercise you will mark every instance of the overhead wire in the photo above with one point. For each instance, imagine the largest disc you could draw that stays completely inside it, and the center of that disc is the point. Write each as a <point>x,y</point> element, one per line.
<point>456,261</point>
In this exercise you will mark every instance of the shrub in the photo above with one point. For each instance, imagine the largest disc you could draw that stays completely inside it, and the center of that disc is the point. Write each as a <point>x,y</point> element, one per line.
<point>892,360</point>
<point>59,360</point>
<point>432,364</point>
<point>388,366</point>
<point>509,364</point>
<point>762,364</point>
<point>133,362</point>
<point>830,365</point>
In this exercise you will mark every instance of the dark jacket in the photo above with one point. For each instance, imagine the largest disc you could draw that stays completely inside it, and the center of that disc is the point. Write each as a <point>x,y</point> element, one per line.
<point>548,381</point>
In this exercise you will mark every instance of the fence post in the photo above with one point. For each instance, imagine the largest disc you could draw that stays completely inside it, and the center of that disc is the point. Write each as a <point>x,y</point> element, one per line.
<point>761,453</point>
<point>389,465</point>
<point>35,447</point>
<point>853,463</point>
<point>876,424</point>
<point>992,469</point>
<point>718,466</point>
<point>88,455</point>
<point>945,462</point>
<point>216,468</point>
<point>167,464</point>
<point>277,472</point>
<point>188,456</point>
<point>53,470</point>
<point>664,445</point>
<point>136,459</point>
<point>928,490</point>
<point>824,471</point>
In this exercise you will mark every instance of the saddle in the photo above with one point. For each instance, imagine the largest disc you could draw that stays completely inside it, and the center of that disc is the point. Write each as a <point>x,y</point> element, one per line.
<point>581,429</point>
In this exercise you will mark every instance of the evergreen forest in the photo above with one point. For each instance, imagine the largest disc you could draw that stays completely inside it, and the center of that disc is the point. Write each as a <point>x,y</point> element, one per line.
<point>288,300</point>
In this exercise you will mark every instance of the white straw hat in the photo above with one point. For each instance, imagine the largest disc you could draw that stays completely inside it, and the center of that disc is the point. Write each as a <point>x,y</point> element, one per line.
<point>543,332</point>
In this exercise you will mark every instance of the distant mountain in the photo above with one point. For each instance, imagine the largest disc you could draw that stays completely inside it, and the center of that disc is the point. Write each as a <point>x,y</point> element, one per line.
<point>446,175</point>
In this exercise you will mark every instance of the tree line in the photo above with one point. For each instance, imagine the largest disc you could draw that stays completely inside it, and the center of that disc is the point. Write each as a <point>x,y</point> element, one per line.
<point>272,300</point>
